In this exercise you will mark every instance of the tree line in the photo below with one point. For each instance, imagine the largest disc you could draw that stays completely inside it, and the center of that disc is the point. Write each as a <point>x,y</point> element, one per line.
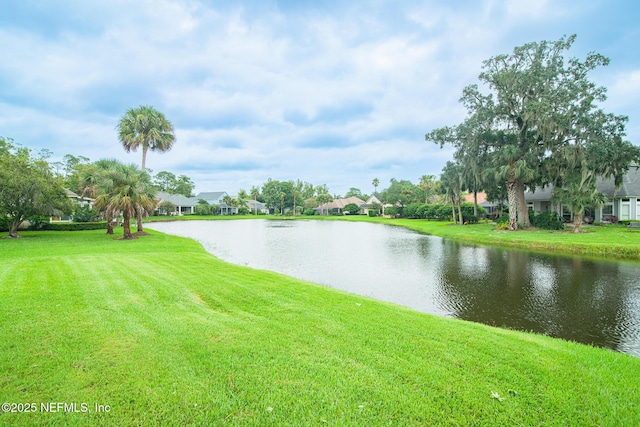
<point>537,123</point>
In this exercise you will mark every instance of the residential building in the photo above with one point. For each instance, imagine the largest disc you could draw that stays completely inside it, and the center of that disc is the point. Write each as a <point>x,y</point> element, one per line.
<point>183,205</point>
<point>255,206</point>
<point>216,198</point>
<point>622,203</point>
<point>78,201</point>
<point>373,203</point>
<point>337,205</point>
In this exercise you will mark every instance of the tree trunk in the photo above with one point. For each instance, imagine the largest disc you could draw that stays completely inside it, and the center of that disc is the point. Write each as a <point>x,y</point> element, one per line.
<point>13,229</point>
<point>475,203</point>
<point>144,155</point>
<point>460,213</point>
<point>453,211</point>
<point>127,227</point>
<point>577,222</point>
<point>523,212</point>
<point>513,205</point>
<point>139,218</point>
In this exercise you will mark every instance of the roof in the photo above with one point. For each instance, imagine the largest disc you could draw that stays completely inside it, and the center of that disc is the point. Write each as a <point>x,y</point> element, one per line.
<point>539,194</point>
<point>482,197</point>
<point>70,194</point>
<point>177,199</point>
<point>211,195</point>
<point>253,204</point>
<point>630,187</point>
<point>341,203</point>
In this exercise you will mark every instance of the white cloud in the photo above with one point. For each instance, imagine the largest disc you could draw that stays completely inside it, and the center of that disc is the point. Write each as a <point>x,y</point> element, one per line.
<point>334,94</point>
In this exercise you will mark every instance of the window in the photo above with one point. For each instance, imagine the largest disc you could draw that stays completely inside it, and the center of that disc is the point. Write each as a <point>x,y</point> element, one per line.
<point>607,209</point>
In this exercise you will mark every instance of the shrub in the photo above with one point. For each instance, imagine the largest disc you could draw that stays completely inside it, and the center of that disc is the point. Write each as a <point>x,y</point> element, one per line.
<point>372,213</point>
<point>85,214</point>
<point>503,225</point>
<point>352,209</point>
<point>38,222</point>
<point>443,213</point>
<point>75,226</point>
<point>467,213</point>
<point>502,219</point>
<point>4,224</point>
<point>411,210</point>
<point>548,221</point>
<point>427,211</point>
<point>309,212</point>
<point>202,209</point>
<point>243,210</point>
<point>391,211</point>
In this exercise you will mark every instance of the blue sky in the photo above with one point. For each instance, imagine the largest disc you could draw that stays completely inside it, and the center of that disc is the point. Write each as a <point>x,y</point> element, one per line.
<point>329,92</point>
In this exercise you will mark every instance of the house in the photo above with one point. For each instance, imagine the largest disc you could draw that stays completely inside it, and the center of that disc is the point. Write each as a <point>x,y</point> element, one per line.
<point>255,206</point>
<point>183,205</point>
<point>337,205</point>
<point>373,203</point>
<point>78,201</point>
<point>623,203</point>
<point>216,198</point>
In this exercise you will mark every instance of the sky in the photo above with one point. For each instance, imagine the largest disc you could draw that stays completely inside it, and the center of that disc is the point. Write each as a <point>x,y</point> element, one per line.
<point>328,92</point>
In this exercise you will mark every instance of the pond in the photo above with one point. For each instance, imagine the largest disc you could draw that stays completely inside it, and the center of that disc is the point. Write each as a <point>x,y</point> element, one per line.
<point>592,302</point>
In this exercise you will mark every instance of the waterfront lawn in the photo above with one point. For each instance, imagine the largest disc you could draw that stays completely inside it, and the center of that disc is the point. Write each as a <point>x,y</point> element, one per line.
<point>159,332</point>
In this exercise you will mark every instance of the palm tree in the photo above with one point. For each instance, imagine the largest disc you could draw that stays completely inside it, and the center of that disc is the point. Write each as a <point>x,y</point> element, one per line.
<point>255,192</point>
<point>375,183</point>
<point>127,190</point>
<point>427,182</point>
<point>93,180</point>
<point>145,127</point>
<point>451,186</point>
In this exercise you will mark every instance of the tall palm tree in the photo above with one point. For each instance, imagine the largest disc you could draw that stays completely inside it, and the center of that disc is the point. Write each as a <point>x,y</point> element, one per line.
<point>375,183</point>
<point>148,128</point>
<point>127,190</point>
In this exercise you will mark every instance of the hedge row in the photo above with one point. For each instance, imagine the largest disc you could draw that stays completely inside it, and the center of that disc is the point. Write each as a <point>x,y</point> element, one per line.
<point>74,226</point>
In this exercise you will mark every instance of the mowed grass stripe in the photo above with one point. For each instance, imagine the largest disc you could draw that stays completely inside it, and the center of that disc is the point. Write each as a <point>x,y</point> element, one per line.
<point>167,334</point>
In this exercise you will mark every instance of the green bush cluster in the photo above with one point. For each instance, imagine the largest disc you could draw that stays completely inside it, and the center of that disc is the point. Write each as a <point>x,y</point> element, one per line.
<point>4,224</point>
<point>85,214</point>
<point>440,212</point>
<point>547,221</point>
<point>75,226</point>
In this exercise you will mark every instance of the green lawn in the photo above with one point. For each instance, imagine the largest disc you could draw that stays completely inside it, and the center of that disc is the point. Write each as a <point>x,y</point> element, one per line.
<point>166,334</point>
<point>600,241</point>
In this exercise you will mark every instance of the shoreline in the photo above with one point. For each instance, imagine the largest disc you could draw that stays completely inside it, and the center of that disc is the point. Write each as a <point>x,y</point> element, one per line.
<point>603,243</point>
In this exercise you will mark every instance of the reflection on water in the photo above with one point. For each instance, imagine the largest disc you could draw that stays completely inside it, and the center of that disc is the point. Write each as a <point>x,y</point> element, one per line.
<point>593,302</point>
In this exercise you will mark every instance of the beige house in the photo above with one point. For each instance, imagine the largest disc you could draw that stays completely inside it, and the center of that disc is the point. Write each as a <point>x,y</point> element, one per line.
<point>337,205</point>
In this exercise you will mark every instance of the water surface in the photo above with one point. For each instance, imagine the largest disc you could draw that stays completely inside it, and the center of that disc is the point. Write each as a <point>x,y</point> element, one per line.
<point>593,302</point>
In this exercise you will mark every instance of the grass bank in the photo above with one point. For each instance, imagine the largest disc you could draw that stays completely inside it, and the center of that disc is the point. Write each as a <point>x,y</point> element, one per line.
<point>162,333</point>
<point>597,241</point>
